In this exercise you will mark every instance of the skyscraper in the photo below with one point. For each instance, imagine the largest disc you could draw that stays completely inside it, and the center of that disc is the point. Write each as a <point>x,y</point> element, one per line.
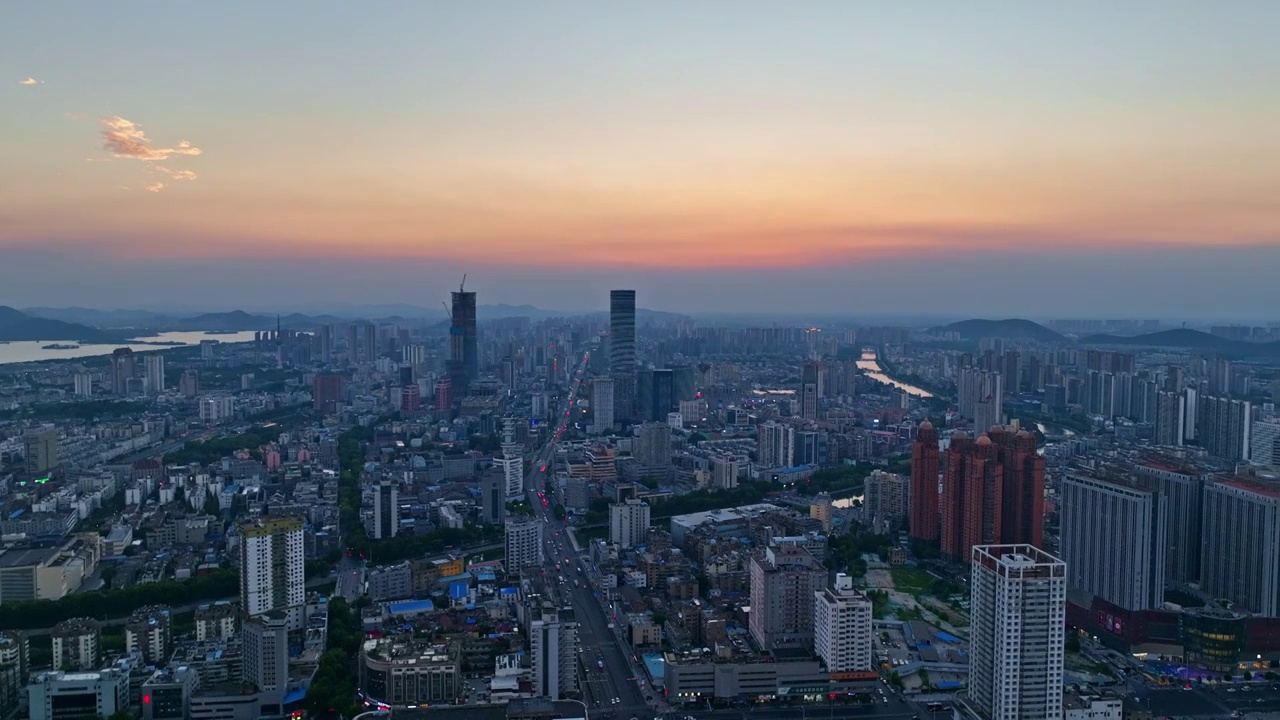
<point>266,653</point>
<point>553,642</point>
<point>40,449</point>
<point>464,353</point>
<point>784,581</point>
<point>1022,503</point>
<point>386,510</point>
<point>512,462</point>
<point>775,445</point>
<point>1114,538</point>
<point>924,483</point>
<point>122,370</point>
<point>1224,426</point>
<point>622,332</point>
<point>602,398</point>
<point>1171,420</point>
<point>809,381</point>
<point>155,373</point>
<point>271,566</point>
<point>1017,641</point>
<point>1183,493</point>
<point>327,393</point>
<point>1240,555</point>
<point>972,490</point>
<point>842,627</point>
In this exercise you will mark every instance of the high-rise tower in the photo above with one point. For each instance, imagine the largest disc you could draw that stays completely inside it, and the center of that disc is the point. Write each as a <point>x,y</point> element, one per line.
<point>464,350</point>
<point>924,483</point>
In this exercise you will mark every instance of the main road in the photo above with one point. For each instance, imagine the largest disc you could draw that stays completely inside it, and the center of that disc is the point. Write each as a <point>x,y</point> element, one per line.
<point>615,689</point>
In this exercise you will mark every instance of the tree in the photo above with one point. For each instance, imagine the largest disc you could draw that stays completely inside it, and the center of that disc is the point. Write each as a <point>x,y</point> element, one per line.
<point>923,674</point>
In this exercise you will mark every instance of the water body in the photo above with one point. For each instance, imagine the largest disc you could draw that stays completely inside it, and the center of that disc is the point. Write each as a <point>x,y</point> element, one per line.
<point>33,351</point>
<point>871,365</point>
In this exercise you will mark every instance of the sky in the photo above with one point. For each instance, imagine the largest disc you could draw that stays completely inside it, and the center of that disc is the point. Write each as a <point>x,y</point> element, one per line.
<point>1067,159</point>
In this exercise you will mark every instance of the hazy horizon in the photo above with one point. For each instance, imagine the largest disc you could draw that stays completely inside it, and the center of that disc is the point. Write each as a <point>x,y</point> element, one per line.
<point>986,159</point>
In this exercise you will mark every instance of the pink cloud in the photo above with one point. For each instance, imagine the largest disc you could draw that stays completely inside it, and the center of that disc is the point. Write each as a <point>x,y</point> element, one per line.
<point>124,138</point>
<point>29,82</point>
<point>156,187</point>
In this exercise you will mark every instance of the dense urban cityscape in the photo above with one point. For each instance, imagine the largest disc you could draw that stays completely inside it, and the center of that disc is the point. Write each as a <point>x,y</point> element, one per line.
<point>629,513</point>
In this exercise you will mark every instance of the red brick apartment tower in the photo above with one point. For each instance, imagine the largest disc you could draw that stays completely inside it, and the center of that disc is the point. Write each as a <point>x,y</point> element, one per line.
<point>924,483</point>
<point>1023,501</point>
<point>972,491</point>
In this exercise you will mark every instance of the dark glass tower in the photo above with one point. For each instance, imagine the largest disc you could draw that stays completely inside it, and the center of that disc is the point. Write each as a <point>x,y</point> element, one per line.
<point>464,350</point>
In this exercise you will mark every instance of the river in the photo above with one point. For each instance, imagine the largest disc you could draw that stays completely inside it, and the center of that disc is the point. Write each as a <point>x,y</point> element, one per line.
<point>33,351</point>
<point>871,365</point>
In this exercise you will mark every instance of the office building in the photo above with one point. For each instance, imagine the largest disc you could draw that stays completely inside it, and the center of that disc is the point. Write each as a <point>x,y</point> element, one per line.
<point>87,695</point>
<point>149,633</point>
<point>1240,552</point>
<point>77,644</point>
<point>327,391</point>
<point>810,374</point>
<point>40,450</point>
<point>784,580</point>
<point>629,523</point>
<point>386,510</point>
<point>166,695</point>
<point>1264,445</point>
<point>603,394</point>
<point>886,501</point>
<point>464,341</point>
<point>972,490</point>
<point>122,370</point>
<point>407,672</point>
<point>523,542</point>
<point>266,652</point>
<point>1224,426</point>
<point>1113,540</point>
<point>842,627</point>
<point>154,368</point>
<point>622,332</point>
<point>811,447</point>
<point>553,643</point>
<point>775,445</point>
<point>925,520</point>
<point>271,566</point>
<point>493,497</point>
<point>1017,633</point>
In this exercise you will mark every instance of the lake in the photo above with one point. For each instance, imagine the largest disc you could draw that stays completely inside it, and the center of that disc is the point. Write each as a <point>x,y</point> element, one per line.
<point>33,351</point>
<point>871,364</point>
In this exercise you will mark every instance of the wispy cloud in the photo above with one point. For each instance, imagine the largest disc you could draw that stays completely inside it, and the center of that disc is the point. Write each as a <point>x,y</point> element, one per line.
<point>177,174</point>
<point>125,138</point>
<point>29,81</point>
<point>156,187</point>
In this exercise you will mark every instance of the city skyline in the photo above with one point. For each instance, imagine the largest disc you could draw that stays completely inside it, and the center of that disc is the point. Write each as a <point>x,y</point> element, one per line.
<point>850,155</point>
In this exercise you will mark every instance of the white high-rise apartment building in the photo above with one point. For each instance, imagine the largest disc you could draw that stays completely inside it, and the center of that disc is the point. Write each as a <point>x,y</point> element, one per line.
<point>629,523</point>
<point>154,363</point>
<point>602,404</point>
<point>271,567</point>
<point>553,641</point>
<point>84,385</point>
<point>842,627</point>
<point>1114,540</point>
<point>523,543</point>
<point>1017,633</point>
<point>776,445</point>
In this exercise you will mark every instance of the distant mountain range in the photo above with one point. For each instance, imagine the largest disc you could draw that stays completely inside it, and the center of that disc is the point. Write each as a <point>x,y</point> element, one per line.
<point>1185,338</point>
<point>18,326</point>
<point>1013,329</point>
<point>142,321</point>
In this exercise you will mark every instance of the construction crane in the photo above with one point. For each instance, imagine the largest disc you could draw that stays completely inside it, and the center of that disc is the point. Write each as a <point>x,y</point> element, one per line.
<point>463,284</point>
<point>447,312</point>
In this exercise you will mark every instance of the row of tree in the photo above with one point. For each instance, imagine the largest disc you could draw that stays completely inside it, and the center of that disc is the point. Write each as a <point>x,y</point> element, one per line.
<point>110,604</point>
<point>333,689</point>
